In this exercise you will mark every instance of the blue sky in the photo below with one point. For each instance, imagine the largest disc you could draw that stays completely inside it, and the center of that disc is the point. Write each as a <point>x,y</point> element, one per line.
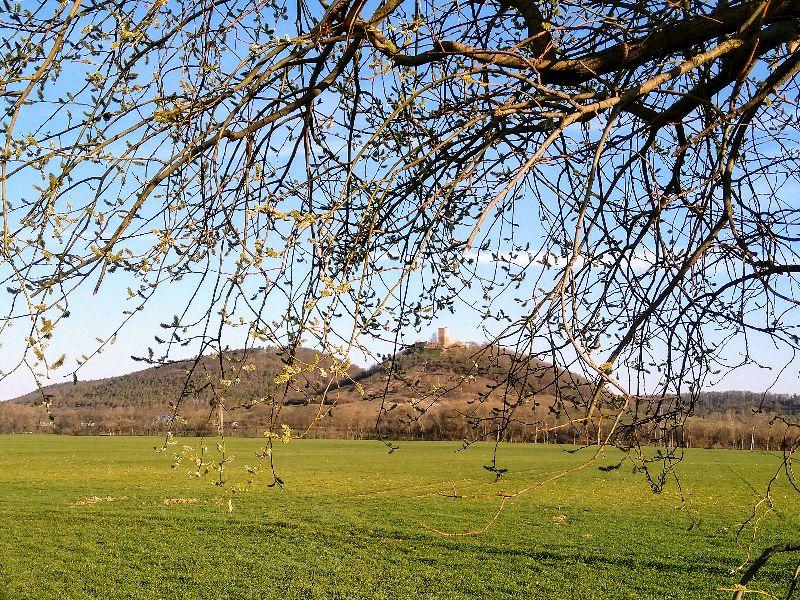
<point>97,316</point>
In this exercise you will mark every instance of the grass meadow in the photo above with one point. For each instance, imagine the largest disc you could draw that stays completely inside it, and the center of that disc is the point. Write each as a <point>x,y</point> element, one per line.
<point>349,524</point>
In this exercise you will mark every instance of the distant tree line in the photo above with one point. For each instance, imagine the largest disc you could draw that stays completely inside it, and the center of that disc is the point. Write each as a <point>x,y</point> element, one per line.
<point>748,402</point>
<point>722,423</point>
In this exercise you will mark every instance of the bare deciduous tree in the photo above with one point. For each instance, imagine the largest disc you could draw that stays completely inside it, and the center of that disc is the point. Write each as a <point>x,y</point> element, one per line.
<point>611,185</point>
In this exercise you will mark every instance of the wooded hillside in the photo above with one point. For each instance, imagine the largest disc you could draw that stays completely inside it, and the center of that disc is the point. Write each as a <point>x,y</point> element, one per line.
<point>421,393</point>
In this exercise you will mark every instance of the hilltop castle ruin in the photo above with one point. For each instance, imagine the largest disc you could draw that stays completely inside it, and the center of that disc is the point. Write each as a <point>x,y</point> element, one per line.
<point>441,341</point>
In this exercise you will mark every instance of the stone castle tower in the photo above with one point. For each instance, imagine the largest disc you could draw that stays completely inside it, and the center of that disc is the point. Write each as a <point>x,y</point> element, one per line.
<point>441,340</point>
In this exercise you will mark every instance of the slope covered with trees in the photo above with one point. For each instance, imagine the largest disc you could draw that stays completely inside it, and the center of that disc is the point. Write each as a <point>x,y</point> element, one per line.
<point>467,393</point>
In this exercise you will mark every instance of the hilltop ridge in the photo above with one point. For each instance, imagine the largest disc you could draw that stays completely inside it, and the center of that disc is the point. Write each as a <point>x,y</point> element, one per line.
<point>453,388</point>
<point>253,371</point>
<point>429,390</point>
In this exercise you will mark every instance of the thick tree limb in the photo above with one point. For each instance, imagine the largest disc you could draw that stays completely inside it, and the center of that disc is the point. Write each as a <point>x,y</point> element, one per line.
<point>760,562</point>
<point>540,40</point>
<point>658,45</point>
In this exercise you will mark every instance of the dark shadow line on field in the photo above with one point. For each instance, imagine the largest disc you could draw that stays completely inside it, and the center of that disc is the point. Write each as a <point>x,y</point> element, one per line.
<point>437,485</point>
<point>741,478</point>
<point>547,556</point>
<point>758,495</point>
<point>418,544</point>
<point>437,549</point>
<point>624,562</point>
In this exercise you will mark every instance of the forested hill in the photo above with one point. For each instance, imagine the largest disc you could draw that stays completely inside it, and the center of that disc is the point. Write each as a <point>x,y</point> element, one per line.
<point>416,373</point>
<point>424,392</point>
<point>739,401</point>
<point>474,374</point>
<point>245,376</point>
<point>453,392</point>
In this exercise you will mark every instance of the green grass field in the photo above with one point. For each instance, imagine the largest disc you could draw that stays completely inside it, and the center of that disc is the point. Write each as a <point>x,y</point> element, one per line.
<point>349,524</point>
